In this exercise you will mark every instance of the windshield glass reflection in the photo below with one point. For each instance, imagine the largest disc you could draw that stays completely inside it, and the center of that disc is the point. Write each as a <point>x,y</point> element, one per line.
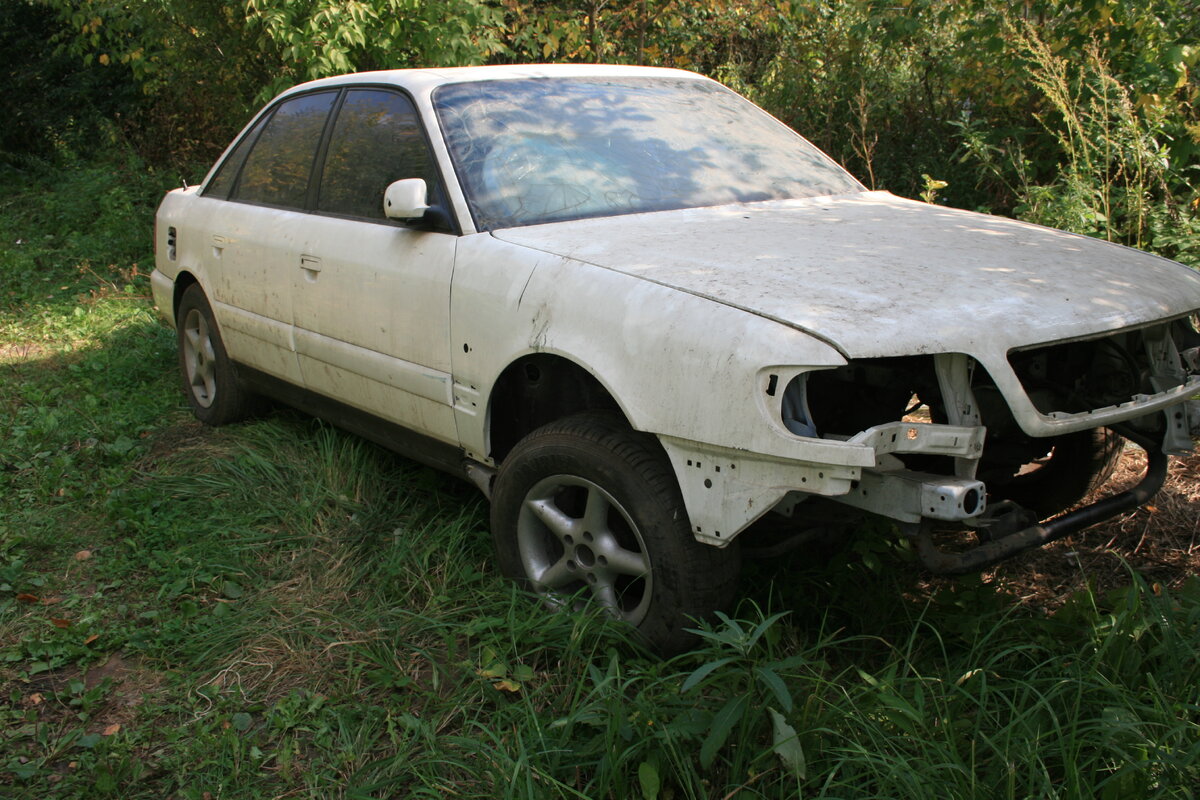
<point>542,150</point>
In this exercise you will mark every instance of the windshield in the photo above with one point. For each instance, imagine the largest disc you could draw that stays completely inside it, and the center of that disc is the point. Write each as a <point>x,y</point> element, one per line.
<point>542,150</point>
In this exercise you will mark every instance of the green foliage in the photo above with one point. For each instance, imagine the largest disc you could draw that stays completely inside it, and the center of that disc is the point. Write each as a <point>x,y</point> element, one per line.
<point>1078,114</point>
<point>1119,178</point>
<point>319,38</point>
<point>203,67</point>
<point>748,683</point>
<point>52,97</point>
<point>736,39</point>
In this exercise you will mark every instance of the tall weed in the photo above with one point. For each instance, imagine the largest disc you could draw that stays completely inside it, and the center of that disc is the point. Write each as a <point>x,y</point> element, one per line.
<point>1117,178</point>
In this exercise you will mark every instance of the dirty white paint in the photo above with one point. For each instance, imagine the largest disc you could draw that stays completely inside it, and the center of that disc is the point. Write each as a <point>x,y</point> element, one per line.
<point>683,316</point>
<point>877,275</point>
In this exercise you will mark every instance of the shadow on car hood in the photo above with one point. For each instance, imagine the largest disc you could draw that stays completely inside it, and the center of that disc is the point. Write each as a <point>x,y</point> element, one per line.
<point>879,275</point>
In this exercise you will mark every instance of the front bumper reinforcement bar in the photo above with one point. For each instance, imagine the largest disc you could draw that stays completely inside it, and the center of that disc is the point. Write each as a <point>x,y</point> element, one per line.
<point>992,552</point>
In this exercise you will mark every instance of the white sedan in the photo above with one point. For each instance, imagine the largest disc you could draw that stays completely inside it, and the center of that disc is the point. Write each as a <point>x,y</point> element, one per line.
<point>641,314</point>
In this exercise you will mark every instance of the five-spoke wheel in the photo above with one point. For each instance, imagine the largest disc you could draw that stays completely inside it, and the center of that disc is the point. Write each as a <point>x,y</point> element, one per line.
<point>209,379</point>
<point>586,509</point>
<point>576,540</point>
<point>199,360</point>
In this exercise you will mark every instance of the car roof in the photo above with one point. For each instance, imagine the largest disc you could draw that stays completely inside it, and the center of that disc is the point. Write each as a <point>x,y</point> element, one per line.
<point>424,81</point>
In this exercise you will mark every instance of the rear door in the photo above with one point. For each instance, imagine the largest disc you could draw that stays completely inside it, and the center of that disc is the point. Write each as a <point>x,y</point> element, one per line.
<point>257,234</point>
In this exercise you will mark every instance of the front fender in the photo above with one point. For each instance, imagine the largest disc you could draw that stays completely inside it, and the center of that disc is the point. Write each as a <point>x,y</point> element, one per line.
<point>690,370</point>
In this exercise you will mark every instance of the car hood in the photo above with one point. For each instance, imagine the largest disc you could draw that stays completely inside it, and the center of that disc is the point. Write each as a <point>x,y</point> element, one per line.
<point>877,275</point>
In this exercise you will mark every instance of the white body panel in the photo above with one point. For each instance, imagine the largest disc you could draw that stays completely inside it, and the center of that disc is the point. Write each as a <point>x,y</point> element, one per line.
<point>509,301</point>
<point>928,279</point>
<point>238,252</point>
<point>371,309</point>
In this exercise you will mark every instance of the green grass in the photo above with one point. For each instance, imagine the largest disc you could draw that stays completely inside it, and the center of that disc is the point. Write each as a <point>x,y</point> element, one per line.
<point>278,609</point>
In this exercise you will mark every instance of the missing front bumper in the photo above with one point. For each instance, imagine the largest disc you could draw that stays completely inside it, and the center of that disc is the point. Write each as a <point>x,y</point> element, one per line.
<point>1000,548</point>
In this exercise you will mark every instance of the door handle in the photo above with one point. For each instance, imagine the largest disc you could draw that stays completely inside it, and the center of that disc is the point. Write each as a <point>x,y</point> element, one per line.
<point>310,264</point>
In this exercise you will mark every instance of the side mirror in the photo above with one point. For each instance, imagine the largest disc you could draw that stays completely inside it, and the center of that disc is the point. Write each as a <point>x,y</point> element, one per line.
<point>406,199</point>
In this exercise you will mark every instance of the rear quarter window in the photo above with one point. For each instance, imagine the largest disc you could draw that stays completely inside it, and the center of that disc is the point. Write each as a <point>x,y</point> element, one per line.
<point>221,184</point>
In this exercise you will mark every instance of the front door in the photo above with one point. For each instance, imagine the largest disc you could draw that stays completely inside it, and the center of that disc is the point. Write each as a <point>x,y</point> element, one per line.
<point>371,297</point>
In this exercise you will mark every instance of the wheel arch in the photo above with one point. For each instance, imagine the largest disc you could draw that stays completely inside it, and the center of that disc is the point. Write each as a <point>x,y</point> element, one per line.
<point>183,281</point>
<point>536,389</point>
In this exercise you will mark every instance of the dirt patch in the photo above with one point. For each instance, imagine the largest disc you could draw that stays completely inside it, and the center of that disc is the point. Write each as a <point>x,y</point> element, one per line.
<point>126,685</point>
<point>131,686</point>
<point>166,442</point>
<point>1160,542</point>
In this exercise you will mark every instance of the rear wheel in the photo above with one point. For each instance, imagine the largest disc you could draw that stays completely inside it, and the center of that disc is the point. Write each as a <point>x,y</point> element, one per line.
<point>209,378</point>
<point>587,510</point>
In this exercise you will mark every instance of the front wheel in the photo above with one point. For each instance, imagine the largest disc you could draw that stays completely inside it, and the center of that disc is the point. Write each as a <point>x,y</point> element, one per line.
<point>586,509</point>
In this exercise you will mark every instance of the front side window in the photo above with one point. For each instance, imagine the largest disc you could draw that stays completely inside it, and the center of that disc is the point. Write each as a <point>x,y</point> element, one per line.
<point>376,140</point>
<point>539,150</point>
<point>277,170</point>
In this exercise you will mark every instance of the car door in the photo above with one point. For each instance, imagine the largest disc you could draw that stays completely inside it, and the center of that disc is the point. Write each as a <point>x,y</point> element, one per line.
<point>371,296</point>
<point>255,232</point>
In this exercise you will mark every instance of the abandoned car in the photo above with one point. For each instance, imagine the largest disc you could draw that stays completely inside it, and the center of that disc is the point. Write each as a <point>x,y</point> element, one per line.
<point>641,314</point>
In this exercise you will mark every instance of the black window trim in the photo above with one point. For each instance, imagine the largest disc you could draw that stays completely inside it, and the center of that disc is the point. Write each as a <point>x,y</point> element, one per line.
<point>237,183</point>
<point>318,165</point>
<point>316,170</point>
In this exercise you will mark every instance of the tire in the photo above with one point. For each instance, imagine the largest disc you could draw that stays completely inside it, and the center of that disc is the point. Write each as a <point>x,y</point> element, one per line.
<point>1076,465</point>
<point>587,510</point>
<point>209,378</point>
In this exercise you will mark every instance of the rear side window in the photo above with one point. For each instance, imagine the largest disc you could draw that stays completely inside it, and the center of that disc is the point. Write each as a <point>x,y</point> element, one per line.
<point>376,140</point>
<point>277,170</point>
<point>222,182</point>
